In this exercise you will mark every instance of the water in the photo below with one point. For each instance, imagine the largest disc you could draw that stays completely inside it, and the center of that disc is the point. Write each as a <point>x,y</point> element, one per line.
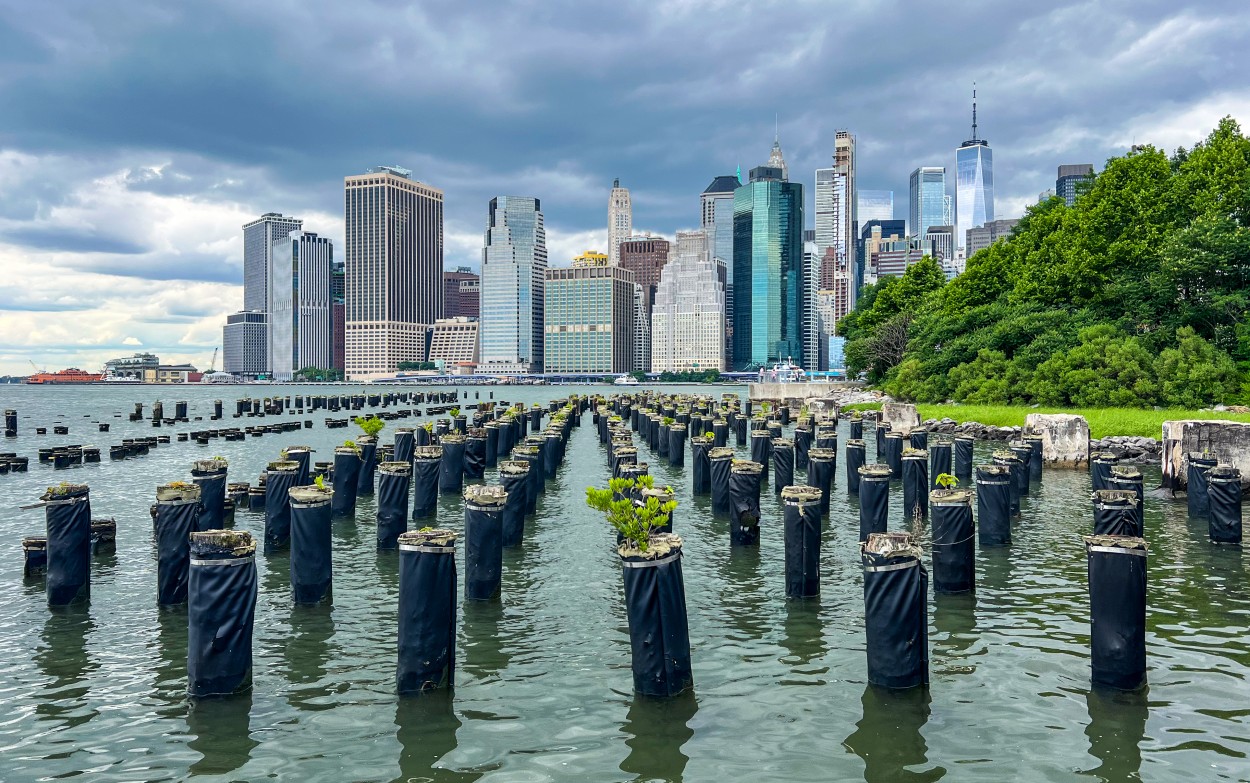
<point>543,681</point>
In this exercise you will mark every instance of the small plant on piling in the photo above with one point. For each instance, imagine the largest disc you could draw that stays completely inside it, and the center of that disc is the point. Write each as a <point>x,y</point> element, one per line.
<point>454,412</point>
<point>765,408</point>
<point>428,426</point>
<point>667,421</point>
<point>803,411</point>
<point>946,481</point>
<point>351,444</point>
<point>634,522</point>
<point>320,482</point>
<point>370,426</point>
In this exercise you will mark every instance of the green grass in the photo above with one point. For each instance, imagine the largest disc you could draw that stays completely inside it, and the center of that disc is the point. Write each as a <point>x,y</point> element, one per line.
<point>1102,421</point>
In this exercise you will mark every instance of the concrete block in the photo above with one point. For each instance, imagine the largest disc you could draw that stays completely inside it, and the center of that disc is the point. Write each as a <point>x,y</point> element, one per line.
<point>1229,441</point>
<point>901,416</point>
<point>1065,438</point>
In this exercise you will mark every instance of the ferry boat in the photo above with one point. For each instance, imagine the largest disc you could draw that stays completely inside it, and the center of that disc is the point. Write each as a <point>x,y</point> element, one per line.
<point>70,375</point>
<point>625,380</point>
<point>111,378</point>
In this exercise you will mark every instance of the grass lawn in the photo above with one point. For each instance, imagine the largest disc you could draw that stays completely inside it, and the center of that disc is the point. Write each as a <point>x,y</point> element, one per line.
<point>1102,421</point>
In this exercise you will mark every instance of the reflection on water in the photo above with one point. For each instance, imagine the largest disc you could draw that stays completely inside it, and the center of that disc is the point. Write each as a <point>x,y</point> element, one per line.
<point>307,654</point>
<point>484,656</point>
<point>62,657</point>
<point>955,623</point>
<point>427,726</point>
<point>888,739</point>
<point>655,731</point>
<point>804,635</point>
<point>1117,725</point>
<point>222,733</point>
<point>171,666</point>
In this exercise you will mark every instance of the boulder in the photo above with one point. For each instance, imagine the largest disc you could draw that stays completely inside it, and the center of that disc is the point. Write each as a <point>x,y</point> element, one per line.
<point>1065,438</point>
<point>1229,441</point>
<point>901,416</point>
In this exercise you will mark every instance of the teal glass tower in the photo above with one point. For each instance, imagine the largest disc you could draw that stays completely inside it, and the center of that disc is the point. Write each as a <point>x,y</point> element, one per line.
<point>768,268</point>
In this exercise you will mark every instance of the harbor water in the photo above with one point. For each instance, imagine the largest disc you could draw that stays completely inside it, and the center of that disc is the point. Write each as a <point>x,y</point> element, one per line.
<point>543,682</point>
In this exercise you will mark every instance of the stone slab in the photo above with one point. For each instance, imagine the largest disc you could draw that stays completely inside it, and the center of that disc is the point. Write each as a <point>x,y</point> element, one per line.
<point>1065,438</point>
<point>1229,441</point>
<point>901,416</point>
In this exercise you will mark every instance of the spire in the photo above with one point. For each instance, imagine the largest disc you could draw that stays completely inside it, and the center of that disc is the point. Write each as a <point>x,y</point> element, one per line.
<point>776,130</point>
<point>739,173</point>
<point>616,183</point>
<point>974,110</point>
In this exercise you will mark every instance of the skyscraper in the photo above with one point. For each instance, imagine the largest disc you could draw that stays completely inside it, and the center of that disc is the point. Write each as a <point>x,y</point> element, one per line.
<point>338,314</point>
<point>974,181</point>
<point>394,266</point>
<point>927,200</point>
<point>874,205</point>
<point>717,219</point>
<point>300,326</point>
<point>589,316</point>
<point>645,257</point>
<point>768,267</point>
<point>462,291</point>
<point>836,202</point>
<point>258,239</point>
<point>1070,177</point>
<point>620,220</point>
<point>686,331</point>
<point>514,261</point>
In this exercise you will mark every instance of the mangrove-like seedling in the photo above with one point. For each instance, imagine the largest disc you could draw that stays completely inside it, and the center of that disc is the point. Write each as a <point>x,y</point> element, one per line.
<point>370,426</point>
<point>765,407</point>
<point>946,481</point>
<point>320,481</point>
<point>428,426</point>
<point>667,421</point>
<point>454,412</point>
<point>634,522</point>
<point>351,444</point>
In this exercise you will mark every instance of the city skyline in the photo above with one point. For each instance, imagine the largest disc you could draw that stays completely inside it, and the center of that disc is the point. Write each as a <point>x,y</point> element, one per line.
<point>137,211</point>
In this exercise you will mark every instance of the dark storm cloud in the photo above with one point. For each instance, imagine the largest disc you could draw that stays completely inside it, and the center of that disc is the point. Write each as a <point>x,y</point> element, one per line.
<point>70,240</point>
<point>555,99</point>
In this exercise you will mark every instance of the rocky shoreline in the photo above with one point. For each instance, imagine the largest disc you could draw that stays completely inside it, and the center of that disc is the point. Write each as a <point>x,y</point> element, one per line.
<point>1128,448</point>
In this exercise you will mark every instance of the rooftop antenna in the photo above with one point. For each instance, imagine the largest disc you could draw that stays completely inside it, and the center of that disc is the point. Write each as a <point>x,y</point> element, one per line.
<point>974,110</point>
<point>777,128</point>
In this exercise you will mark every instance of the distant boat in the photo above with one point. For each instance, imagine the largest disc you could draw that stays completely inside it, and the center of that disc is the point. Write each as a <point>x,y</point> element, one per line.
<point>625,380</point>
<point>219,377</point>
<point>110,378</point>
<point>68,376</point>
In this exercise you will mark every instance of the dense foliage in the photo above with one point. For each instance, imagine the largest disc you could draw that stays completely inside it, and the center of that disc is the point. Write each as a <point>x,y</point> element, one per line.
<point>1135,296</point>
<point>317,374</point>
<point>687,376</point>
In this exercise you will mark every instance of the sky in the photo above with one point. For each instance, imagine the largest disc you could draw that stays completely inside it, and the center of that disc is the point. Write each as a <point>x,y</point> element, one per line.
<point>138,136</point>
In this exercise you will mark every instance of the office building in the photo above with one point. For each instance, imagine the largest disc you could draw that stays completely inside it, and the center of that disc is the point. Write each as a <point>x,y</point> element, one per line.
<point>338,315</point>
<point>981,237</point>
<point>131,366</point>
<point>941,241</point>
<point>891,259</point>
<point>589,320</point>
<point>813,265</point>
<point>836,202</point>
<point>717,219</point>
<point>245,344</point>
<point>514,261</point>
<point>258,239</point>
<point>394,257</point>
<point>642,331</point>
<point>768,267</point>
<point>1072,178</point>
<point>974,182</point>
<point>453,341</point>
<point>687,332</point>
<point>620,220</point>
<point>590,258</point>
<point>927,202</point>
<point>300,329</point>
<point>645,257</point>
<point>874,205</point>
<point>462,290</point>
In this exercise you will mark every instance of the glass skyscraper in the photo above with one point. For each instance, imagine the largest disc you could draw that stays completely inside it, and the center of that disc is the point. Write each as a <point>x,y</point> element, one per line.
<point>974,182</point>
<point>514,261</point>
<point>926,201</point>
<point>875,205</point>
<point>768,269</point>
<point>717,208</point>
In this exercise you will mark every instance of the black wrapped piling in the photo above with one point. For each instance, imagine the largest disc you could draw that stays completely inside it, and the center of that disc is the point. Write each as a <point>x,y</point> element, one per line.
<point>954,547</point>
<point>1200,465</point>
<point>346,479</point>
<point>475,454</point>
<point>221,611</point>
<point>802,534</point>
<point>551,453</point>
<point>426,465</point>
<point>34,556</point>
<point>492,430</point>
<point>915,485</point>
<point>532,455</point>
<point>662,439</point>
<point>210,476</point>
<point>427,611</point>
<point>994,505</point>
<point>939,461</point>
<point>820,475</point>
<point>701,466</point>
<point>856,424</point>
<point>744,501</point>
<point>1100,465</point>
<point>655,600</point>
<point>394,480</point>
<point>783,463</point>
<point>720,462</point>
<point>451,470</point>
<point>279,479</point>
<point>405,442</point>
<point>1224,505</point>
<point>826,437</point>
<point>311,571</point>
<point>368,446</point>
<point>896,622</point>
<point>1129,479</point>
<point>740,431</point>
<point>677,445</point>
<point>1115,513</point>
<point>802,445</point>
<point>514,477</point>
<point>662,495</point>
<point>622,455</point>
<point>103,536</point>
<point>177,510</point>
<point>881,430</point>
<point>1024,453</point>
<point>874,500</point>
<point>856,458</point>
<point>1034,442</point>
<point>961,450</point>
<point>67,512</point>
<point>720,433</point>
<point>302,455</point>
<point>237,493</point>
<point>1015,467</point>
<point>1117,610</point>
<point>761,447</point>
<point>894,454</point>
<point>10,423</point>
<point>483,541</point>
<point>917,439</point>
<point>1195,489</point>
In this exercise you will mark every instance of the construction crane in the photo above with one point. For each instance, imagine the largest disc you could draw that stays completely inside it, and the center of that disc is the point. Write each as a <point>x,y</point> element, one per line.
<point>32,364</point>
<point>213,364</point>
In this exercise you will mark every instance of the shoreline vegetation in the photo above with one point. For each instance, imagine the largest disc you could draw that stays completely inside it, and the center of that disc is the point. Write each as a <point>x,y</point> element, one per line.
<point>1103,422</point>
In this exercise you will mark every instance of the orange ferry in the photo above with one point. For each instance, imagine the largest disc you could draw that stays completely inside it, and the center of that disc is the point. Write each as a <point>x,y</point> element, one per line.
<point>71,375</point>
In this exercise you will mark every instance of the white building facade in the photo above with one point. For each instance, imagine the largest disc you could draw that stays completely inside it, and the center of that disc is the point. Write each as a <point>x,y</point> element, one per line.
<point>299,304</point>
<point>620,221</point>
<point>687,322</point>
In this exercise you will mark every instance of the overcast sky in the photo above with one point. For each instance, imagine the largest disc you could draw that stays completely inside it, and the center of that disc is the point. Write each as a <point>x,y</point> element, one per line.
<point>137,136</point>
